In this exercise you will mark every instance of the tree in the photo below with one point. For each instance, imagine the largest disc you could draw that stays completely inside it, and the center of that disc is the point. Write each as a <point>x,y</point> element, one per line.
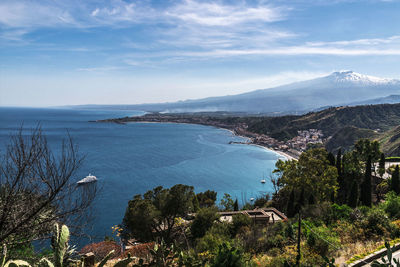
<point>203,221</point>
<point>301,199</point>
<point>227,202</point>
<point>352,171</point>
<point>312,172</point>
<point>353,196</point>
<point>331,159</point>
<point>341,195</point>
<point>156,212</point>
<point>364,148</point>
<point>339,162</point>
<point>381,166</point>
<point>366,189</point>
<point>395,185</point>
<point>311,200</point>
<point>236,205</point>
<point>37,188</point>
<point>290,210</point>
<point>207,199</point>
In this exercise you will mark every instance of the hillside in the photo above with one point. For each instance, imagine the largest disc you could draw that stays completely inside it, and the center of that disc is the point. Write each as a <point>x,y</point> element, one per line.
<point>341,126</point>
<point>330,121</point>
<point>347,136</point>
<point>390,142</point>
<point>391,99</point>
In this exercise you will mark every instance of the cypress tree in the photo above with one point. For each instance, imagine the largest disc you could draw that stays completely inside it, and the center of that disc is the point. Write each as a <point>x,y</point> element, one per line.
<point>341,193</point>
<point>236,205</point>
<point>290,205</point>
<point>331,159</point>
<point>353,197</point>
<point>366,190</point>
<point>196,205</point>
<point>301,198</point>
<point>395,186</point>
<point>381,167</point>
<point>339,162</point>
<point>311,200</point>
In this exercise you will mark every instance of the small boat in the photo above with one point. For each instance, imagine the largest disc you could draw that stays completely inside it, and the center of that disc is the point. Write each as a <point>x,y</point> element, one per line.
<point>252,199</point>
<point>88,179</point>
<point>263,180</point>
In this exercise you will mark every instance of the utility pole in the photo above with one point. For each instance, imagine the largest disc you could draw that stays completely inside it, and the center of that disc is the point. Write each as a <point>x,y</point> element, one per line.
<point>298,241</point>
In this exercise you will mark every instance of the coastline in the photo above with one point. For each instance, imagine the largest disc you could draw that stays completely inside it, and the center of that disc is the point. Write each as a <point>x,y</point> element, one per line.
<point>287,155</point>
<point>280,152</point>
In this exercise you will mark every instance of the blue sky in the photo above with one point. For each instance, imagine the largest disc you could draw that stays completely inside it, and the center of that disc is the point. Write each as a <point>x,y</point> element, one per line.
<point>120,52</point>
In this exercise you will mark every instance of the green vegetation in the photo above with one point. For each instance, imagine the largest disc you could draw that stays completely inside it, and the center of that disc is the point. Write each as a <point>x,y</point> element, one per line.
<point>337,206</point>
<point>156,212</point>
<point>312,173</point>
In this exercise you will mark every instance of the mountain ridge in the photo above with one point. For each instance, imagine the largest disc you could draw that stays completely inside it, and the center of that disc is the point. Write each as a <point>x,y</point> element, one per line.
<point>336,89</point>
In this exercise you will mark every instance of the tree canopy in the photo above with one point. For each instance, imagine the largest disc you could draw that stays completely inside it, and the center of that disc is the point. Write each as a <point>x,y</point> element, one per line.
<point>207,199</point>
<point>312,172</point>
<point>154,214</point>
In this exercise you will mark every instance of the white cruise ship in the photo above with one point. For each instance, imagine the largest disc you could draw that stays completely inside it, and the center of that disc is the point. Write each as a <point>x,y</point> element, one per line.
<point>88,179</point>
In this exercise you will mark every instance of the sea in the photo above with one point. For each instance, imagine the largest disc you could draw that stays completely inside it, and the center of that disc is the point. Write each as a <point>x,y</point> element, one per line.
<point>132,158</point>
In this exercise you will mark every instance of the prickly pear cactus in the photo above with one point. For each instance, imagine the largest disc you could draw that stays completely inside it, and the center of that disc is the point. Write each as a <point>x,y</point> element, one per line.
<point>11,263</point>
<point>106,258</point>
<point>60,243</point>
<point>17,263</point>
<point>3,256</point>
<point>45,263</point>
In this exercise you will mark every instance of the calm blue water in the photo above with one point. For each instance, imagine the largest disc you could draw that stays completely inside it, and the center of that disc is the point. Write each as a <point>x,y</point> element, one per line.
<point>131,159</point>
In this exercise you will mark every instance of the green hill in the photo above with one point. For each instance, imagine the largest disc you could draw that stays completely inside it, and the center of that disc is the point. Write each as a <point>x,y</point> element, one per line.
<point>390,142</point>
<point>331,120</point>
<point>343,126</point>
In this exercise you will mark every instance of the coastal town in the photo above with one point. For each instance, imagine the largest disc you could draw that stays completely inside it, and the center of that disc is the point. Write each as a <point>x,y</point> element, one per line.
<point>291,148</point>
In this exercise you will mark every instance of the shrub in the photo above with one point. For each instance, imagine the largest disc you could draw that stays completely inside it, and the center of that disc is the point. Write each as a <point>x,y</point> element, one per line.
<point>239,221</point>
<point>321,239</point>
<point>376,222</point>
<point>264,239</point>
<point>214,237</point>
<point>228,256</point>
<point>391,205</point>
<point>203,221</point>
<point>339,212</point>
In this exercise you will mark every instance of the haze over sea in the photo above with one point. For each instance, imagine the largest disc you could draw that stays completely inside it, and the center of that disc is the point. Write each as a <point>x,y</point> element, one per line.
<point>131,159</point>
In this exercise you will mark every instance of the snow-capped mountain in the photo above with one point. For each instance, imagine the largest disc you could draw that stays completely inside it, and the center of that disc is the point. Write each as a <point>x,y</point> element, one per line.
<point>359,79</point>
<point>350,77</point>
<point>336,89</point>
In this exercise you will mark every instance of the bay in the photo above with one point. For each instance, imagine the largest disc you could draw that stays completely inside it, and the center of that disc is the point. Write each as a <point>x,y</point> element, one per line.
<point>133,158</point>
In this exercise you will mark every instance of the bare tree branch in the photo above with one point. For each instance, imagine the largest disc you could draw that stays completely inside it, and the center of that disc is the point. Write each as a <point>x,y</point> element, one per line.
<point>37,188</point>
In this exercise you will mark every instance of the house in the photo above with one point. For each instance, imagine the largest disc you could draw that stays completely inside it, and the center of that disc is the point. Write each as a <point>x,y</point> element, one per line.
<point>259,215</point>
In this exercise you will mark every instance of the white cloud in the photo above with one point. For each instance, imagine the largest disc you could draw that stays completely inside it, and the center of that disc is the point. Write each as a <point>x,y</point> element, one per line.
<point>215,14</point>
<point>184,23</point>
<point>361,47</point>
<point>102,69</point>
<point>27,14</point>
<point>360,42</point>
<point>189,28</point>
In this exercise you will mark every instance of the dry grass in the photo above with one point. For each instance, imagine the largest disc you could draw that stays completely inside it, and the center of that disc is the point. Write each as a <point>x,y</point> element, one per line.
<point>357,249</point>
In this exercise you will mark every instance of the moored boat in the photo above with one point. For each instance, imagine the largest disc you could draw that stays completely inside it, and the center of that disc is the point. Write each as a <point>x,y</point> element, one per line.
<point>88,179</point>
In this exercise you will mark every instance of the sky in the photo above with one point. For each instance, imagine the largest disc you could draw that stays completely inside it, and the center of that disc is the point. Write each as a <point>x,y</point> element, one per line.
<point>69,52</point>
